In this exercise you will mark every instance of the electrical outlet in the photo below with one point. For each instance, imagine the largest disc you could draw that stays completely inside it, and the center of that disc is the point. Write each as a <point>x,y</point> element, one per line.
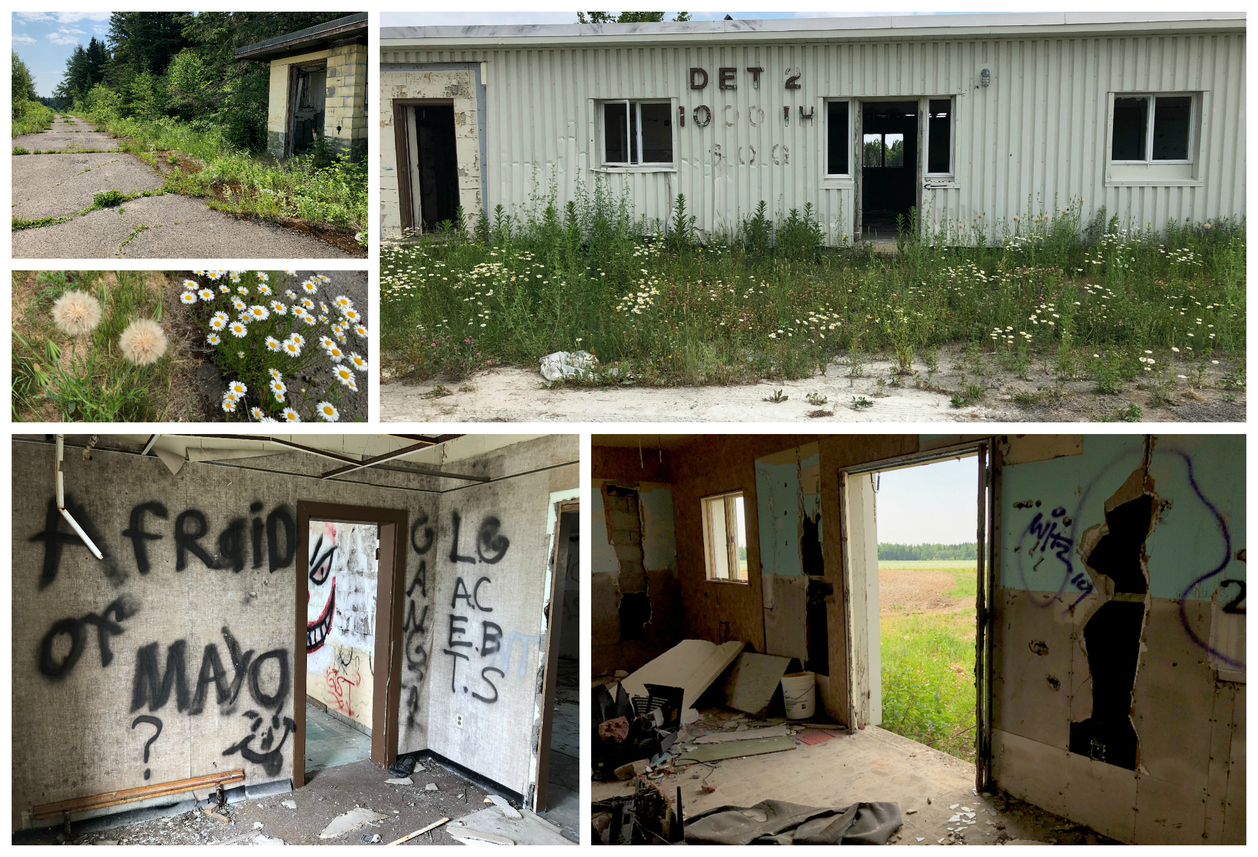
<point>458,720</point>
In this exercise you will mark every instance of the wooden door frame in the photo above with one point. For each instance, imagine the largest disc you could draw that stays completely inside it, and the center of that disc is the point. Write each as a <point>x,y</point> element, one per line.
<point>402,150</point>
<point>390,580</point>
<point>554,632</point>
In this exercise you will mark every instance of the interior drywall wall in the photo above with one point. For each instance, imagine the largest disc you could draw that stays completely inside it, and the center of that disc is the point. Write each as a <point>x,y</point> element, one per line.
<point>635,598</point>
<point>1159,696</point>
<point>340,661</point>
<point>717,611</point>
<point>487,555</point>
<point>189,619</point>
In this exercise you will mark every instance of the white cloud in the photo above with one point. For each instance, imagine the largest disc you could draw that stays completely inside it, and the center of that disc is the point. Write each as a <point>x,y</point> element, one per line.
<point>75,17</point>
<point>34,16</point>
<point>23,39</point>
<point>65,36</point>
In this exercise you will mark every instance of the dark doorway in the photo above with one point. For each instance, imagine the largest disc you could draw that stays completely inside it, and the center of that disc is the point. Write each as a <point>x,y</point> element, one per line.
<point>888,165</point>
<point>436,182</point>
<point>307,88</point>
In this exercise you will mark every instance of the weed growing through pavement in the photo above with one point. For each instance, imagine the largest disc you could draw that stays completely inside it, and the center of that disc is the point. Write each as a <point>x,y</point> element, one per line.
<point>271,337</point>
<point>767,301</point>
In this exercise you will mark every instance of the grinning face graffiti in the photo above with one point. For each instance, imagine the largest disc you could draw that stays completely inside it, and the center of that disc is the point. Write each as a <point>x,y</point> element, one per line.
<point>269,752</point>
<point>323,607</point>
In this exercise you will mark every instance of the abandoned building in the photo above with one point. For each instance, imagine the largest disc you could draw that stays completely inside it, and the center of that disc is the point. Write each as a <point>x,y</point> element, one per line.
<point>1106,637</point>
<point>318,87</point>
<point>970,120</point>
<point>268,622</point>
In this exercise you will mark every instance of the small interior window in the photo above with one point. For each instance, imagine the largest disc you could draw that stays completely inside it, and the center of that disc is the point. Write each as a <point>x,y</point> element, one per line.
<point>725,537</point>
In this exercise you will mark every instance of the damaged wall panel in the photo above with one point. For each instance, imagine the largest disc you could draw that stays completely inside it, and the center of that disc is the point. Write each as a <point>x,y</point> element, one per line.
<point>1115,566</point>
<point>634,555</point>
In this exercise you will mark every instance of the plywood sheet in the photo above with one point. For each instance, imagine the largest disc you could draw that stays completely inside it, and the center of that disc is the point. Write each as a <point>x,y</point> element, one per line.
<point>753,680</point>
<point>1169,813</point>
<point>691,664</point>
<point>785,625</point>
<point>746,735</point>
<point>734,749</point>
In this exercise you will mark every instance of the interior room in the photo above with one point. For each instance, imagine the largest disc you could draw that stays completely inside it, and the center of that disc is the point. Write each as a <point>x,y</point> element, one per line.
<point>741,593</point>
<point>294,639</point>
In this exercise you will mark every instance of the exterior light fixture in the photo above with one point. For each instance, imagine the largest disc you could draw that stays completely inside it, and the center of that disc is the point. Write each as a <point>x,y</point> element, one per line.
<point>985,78</point>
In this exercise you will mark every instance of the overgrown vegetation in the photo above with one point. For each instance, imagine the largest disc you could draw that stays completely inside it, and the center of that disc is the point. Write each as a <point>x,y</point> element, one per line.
<point>928,666</point>
<point>284,352</point>
<point>90,347</point>
<point>169,85</point>
<point>29,115</point>
<point>768,301</point>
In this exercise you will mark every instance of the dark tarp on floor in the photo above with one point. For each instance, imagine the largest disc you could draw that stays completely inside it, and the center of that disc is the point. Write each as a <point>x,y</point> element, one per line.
<point>777,822</point>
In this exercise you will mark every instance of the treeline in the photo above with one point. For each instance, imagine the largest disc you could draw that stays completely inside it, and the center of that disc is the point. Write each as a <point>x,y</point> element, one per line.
<point>30,113</point>
<point>181,65</point>
<point>928,552</point>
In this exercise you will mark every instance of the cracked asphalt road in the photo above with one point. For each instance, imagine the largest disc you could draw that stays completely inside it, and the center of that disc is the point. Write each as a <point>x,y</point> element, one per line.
<point>166,226</point>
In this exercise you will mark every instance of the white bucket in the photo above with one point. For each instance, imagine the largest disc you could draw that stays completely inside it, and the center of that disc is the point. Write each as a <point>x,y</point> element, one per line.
<point>799,692</point>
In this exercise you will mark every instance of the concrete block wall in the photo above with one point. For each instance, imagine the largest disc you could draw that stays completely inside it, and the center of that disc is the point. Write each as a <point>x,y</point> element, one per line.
<point>188,621</point>
<point>345,103</point>
<point>345,122</point>
<point>1134,727</point>
<point>458,86</point>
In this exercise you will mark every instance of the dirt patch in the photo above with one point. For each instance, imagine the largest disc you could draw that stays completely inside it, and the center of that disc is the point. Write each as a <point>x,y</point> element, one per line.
<point>871,391</point>
<point>918,591</point>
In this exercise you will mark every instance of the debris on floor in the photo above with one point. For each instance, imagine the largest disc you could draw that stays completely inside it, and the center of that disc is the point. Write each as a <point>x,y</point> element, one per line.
<point>350,821</point>
<point>494,825</point>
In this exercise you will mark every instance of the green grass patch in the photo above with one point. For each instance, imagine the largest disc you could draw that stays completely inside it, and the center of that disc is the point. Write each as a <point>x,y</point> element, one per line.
<point>928,690</point>
<point>323,188</point>
<point>31,117</point>
<point>768,301</point>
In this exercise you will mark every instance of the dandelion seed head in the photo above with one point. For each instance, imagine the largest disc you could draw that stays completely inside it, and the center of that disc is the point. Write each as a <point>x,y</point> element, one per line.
<point>143,342</point>
<point>76,313</point>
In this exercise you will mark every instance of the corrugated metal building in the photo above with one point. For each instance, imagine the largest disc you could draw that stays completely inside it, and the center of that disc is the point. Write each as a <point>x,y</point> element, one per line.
<point>969,119</point>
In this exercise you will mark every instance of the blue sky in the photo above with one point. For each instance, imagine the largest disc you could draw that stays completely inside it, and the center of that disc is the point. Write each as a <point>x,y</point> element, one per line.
<point>45,40</point>
<point>930,504</point>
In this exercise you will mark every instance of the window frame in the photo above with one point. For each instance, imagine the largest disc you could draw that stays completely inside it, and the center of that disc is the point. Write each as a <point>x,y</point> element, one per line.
<point>706,505</point>
<point>636,103</point>
<point>952,137</point>
<point>847,174</point>
<point>1194,106</point>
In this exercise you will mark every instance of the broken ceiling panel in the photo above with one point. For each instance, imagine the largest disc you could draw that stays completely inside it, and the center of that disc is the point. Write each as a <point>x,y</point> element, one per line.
<point>753,680</point>
<point>692,665</point>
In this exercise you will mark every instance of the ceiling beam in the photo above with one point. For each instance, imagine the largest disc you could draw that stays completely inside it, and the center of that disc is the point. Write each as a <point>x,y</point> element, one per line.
<point>402,453</point>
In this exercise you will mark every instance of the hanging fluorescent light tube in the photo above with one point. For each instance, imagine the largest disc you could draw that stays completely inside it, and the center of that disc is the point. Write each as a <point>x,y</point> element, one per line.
<point>61,502</point>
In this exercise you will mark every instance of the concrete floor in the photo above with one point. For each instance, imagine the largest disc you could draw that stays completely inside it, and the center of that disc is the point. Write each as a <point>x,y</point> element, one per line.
<point>331,742</point>
<point>932,788</point>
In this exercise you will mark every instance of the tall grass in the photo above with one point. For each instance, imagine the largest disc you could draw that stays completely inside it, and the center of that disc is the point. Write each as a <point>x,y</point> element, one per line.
<point>322,188</point>
<point>769,301</point>
<point>928,680</point>
<point>31,117</point>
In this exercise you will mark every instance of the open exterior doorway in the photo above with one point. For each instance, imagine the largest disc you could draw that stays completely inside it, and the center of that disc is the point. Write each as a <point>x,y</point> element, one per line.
<point>919,607</point>
<point>307,88</point>
<point>347,672</point>
<point>427,162</point>
<point>888,161</point>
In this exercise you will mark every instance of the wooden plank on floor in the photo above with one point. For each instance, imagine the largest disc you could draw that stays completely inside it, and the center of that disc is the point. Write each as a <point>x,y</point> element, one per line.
<point>734,749</point>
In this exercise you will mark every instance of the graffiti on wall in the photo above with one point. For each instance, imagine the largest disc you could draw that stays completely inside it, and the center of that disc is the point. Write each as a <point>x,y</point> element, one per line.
<point>415,624</point>
<point>341,616</point>
<point>226,679</point>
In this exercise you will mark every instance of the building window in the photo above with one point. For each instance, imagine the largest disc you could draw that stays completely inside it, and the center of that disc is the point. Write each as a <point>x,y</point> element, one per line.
<point>837,138</point>
<point>725,537</point>
<point>939,136</point>
<point>1152,129</point>
<point>637,133</point>
<point>883,150</point>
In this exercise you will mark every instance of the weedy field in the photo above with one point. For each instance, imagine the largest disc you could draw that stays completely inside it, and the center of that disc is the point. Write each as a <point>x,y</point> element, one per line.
<point>927,632</point>
<point>1057,304</point>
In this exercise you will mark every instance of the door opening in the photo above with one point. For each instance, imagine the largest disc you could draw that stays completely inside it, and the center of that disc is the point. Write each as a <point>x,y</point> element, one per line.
<point>434,173</point>
<point>888,164</point>
<point>557,794</point>
<point>346,665</point>
<point>919,574</point>
<point>307,90</point>
<point>340,642</point>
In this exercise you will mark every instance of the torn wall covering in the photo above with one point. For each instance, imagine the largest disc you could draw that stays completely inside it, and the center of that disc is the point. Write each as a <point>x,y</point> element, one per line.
<point>341,618</point>
<point>635,600</point>
<point>788,507</point>
<point>1119,649</point>
<point>189,619</point>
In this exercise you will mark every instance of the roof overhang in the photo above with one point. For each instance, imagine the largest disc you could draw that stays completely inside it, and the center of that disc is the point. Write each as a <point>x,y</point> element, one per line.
<point>351,28</point>
<point>815,30</point>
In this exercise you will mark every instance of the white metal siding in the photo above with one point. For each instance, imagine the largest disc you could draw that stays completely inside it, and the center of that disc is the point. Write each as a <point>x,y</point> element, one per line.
<point>1033,140</point>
